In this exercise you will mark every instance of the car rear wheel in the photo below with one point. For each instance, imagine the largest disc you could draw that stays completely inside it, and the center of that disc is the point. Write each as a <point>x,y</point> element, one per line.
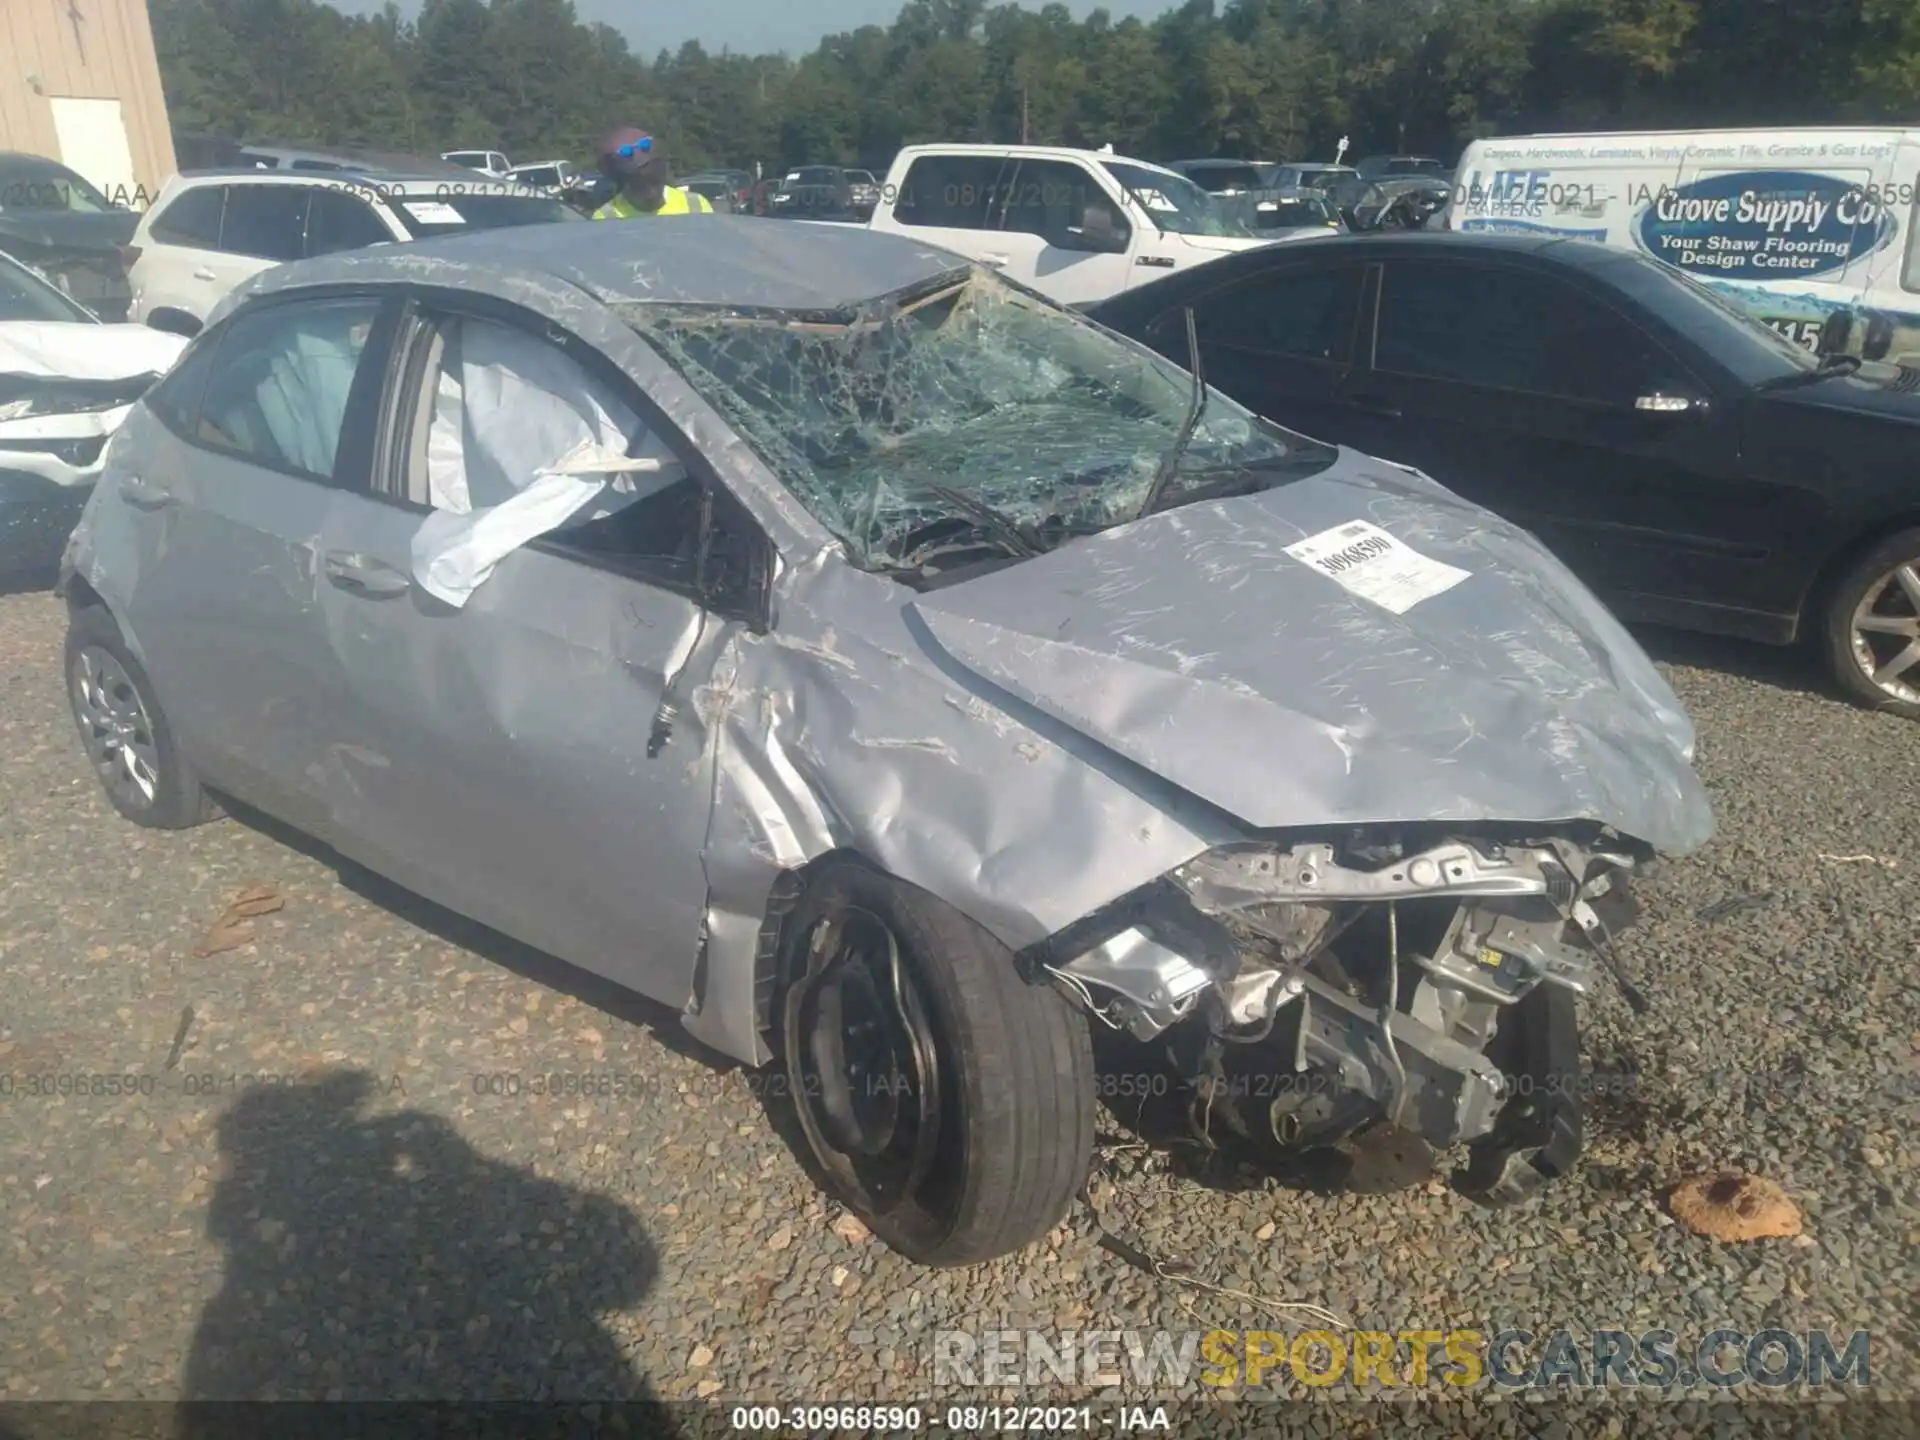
<point>949,1102</point>
<point>125,735</point>
<point>1872,628</point>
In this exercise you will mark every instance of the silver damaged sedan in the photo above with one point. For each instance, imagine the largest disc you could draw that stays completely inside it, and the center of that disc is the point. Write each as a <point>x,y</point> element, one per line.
<point>901,677</point>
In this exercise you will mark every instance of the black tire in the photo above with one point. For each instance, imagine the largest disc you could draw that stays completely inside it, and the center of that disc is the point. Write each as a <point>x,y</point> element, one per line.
<point>1861,579</point>
<point>1012,1129</point>
<point>178,800</point>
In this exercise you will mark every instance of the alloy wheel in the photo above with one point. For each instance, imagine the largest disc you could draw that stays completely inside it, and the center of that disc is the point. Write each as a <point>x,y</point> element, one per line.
<point>115,727</point>
<point>1886,633</point>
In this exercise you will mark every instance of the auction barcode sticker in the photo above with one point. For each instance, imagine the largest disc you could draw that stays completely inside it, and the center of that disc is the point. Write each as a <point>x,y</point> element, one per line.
<point>1372,564</point>
<point>433,212</point>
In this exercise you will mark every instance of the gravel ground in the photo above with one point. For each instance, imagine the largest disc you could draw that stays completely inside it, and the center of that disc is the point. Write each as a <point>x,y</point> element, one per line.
<point>359,1221</point>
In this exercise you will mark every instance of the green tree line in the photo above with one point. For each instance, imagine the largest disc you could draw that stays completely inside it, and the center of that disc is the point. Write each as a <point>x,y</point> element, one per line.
<point>1266,79</point>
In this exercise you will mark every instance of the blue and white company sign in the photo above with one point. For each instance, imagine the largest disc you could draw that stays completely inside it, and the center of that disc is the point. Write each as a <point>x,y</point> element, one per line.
<point>1763,225</point>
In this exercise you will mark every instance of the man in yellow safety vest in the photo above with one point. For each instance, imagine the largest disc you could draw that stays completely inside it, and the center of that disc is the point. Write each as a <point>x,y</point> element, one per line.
<point>634,161</point>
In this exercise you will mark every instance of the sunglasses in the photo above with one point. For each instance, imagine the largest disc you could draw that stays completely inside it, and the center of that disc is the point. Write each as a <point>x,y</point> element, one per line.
<point>642,146</point>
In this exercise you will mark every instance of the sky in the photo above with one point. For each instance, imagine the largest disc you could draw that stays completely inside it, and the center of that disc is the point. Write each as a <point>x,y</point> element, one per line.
<point>756,26</point>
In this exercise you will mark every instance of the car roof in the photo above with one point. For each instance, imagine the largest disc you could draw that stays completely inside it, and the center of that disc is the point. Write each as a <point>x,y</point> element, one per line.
<point>1036,152</point>
<point>355,158</point>
<point>693,260</point>
<point>1558,250</point>
<point>368,177</point>
<point>25,160</point>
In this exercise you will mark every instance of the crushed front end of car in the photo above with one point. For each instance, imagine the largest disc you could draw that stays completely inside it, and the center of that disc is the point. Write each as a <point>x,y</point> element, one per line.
<point>1310,988</point>
<point>1279,757</point>
<point>64,389</point>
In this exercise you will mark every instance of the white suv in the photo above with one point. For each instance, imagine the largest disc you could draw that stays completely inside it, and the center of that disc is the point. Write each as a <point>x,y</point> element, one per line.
<point>1076,225</point>
<point>487,162</point>
<point>210,230</point>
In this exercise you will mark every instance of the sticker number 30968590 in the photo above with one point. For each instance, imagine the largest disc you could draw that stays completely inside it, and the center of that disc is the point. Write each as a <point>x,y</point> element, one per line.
<point>1372,564</point>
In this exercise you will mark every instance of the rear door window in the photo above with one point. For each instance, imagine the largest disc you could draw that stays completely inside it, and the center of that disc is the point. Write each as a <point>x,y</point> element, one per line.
<point>276,392</point>
<point>192,218</point>
<point>951,192</point>
<point>268,222</point>
<point>1303,312</point>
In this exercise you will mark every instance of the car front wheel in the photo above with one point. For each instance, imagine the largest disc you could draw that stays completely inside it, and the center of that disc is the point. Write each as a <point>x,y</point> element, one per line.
<point>125,735</point>
<point>949,1102</point>
<point>1872,630</point>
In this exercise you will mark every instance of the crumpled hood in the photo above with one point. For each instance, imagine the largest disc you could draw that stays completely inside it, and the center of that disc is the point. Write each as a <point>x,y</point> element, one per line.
<point>75,350</point>
<point>1193,644</point>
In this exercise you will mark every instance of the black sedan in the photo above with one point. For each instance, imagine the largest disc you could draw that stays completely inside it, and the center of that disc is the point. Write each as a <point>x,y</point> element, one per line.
<point>1693,466</point>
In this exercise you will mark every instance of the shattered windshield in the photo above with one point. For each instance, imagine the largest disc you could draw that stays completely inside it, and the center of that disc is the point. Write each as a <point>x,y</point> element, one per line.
<point>1177,204</point>
<point>969,418</point>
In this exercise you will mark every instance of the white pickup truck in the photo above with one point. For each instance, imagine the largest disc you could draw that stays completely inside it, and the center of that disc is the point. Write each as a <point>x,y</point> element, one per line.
<point>1076,225</point>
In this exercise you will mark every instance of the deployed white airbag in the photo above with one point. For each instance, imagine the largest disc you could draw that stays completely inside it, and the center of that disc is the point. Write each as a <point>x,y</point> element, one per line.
<point>523,442</point>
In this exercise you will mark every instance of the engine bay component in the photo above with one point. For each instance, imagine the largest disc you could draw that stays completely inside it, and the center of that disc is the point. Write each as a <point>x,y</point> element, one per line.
<point>1376,981</point>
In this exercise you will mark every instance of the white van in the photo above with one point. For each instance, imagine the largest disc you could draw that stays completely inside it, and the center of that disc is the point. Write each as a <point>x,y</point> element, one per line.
<point>1806,228</point>
<point>1076,225</point>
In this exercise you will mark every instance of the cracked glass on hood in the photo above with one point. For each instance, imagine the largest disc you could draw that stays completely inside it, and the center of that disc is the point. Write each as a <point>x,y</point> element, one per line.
<point>966,417</point>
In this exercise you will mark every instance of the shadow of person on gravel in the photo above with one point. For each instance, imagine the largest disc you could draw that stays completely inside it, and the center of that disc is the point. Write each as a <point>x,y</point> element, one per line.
<point>373,1255</point>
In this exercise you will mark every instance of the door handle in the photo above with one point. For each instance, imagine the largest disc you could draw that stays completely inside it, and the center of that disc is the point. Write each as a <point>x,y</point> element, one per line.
<point>1157,262</point>
<point>143,495</point>
<point>996,261</point>
<point>1375,405</point>
<point>204,274</point>
<point>365,576</point>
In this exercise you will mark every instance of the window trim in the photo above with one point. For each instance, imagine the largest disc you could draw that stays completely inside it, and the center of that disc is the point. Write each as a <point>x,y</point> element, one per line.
<point>416,309</point>
<point>1910,262</point>
<point>1594,295</point>
<point>379,336</point>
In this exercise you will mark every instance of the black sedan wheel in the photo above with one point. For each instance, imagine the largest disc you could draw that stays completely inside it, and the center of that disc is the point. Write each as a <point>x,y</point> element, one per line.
<point>949,1102</point>
<point>1873,627</point>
